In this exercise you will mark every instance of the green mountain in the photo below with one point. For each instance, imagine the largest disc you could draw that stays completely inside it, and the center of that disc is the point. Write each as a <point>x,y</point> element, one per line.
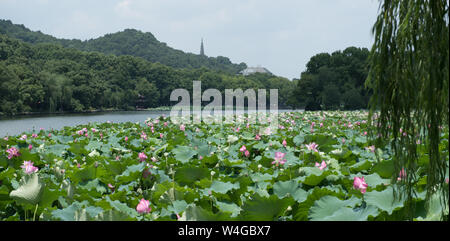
<point>47,77</point>
<point>128,42</point>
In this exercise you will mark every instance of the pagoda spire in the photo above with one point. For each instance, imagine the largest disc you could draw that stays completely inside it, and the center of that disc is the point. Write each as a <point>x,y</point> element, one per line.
<point>202,50</point>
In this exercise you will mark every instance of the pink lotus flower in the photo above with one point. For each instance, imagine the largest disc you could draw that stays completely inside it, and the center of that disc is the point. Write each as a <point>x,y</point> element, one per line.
<point>49,134</point>
<point>279,159</point>
<point>371,148</point>
<point>321,166</point>
<point>147,172</point>
<point>321,124</point>
<point>200,157</point>
<point>29,168</point>
<point>34,135</point>
<point>161,135</point>
<point>312,147</point>
<point>144,136</point>
<point>30,147</point>
<point>143,206</point>
<point>165,123</point>
<point>126,138</point>
<point>6,138</point>
<point>247,153</point>
<point>12,152</point>
<point>343,141</point>
<point>360,184</point>
<point>257,137</point>
<point>182,127</point>
<point>110,186</point>
<point>93,130</point>
<point>142,157</point>
<point>284,143</point>
<point>401,175</point>
<point>243,148</point>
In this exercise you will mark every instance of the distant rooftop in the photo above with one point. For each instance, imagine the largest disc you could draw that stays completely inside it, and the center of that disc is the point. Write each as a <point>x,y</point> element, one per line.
<point>252,70</point>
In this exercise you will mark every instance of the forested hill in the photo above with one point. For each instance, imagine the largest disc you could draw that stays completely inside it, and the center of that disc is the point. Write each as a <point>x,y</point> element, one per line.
<point>47,77</point>
<point>128,42</point>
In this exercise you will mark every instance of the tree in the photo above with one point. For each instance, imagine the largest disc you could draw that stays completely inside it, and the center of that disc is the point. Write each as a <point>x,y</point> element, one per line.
<point>331,97</point>
<point>329,78</point>
<point>409,76</point>
<point>148,92</point>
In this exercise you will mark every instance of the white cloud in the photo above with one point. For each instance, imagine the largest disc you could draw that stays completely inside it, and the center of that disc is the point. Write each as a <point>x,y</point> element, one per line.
<point>126,9</point>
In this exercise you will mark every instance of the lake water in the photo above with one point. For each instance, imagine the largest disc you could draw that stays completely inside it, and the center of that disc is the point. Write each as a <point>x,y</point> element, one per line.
<point>18,125</point>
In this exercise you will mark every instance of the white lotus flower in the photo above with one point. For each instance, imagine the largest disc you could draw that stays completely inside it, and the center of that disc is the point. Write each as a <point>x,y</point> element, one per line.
<point>232,138</point>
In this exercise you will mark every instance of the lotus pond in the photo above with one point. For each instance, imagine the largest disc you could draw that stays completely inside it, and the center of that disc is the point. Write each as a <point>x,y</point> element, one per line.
<point>315,166</point>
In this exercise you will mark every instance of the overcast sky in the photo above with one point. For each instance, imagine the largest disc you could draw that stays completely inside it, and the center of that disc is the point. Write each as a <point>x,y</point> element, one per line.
<point>280,35</point>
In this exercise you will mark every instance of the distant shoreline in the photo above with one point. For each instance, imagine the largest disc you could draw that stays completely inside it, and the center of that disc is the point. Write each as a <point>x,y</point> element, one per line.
<point>36,114</point>
<point>27,114</point>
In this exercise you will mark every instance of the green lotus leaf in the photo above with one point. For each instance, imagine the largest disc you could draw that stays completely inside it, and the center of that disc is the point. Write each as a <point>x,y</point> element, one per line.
<point>122,207</point>
<point>57,149</point>
<point>183,153</point>
<point>223,187</point>
<point>328,205</point>
<point>384,168</point>
<point>435,209</point>
<point>264,208</point>
<point>313,175</point>
<point>301,213</point>
<point>113,215</point>
<point>77,212</point>
<point>29,191</point>
<point>196,213</point>
<point>178,206</point>
<point>189,175</point>
<point>291,188</point>
<point>132,172</point>
<point>361,166</point>
<point>349,214</point>
<point>84,174</point>
<point>229,207</point>
<point>299,139</point>
<point>384,200</point>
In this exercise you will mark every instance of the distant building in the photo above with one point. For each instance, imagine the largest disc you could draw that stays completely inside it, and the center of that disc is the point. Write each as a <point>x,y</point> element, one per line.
<point>202,50</point>
<point>252,70</point>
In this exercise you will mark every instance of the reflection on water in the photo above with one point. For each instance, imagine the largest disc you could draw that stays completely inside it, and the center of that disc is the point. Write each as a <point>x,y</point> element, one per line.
<point>18,125</point>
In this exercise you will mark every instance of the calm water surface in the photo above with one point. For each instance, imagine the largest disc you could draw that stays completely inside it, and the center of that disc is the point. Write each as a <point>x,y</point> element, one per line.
<point>18,125</point>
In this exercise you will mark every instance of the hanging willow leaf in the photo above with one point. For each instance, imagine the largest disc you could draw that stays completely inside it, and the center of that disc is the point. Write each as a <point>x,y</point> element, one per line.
<point>409,76</point>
